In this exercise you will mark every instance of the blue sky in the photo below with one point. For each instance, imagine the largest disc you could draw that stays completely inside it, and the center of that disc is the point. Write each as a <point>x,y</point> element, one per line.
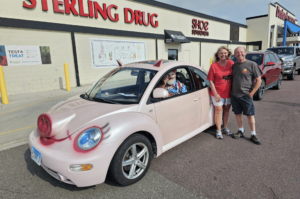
<point>234,10</point>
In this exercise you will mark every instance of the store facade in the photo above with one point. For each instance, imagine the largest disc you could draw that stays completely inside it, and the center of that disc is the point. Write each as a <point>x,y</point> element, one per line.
<point>91,35</point>
<point>269,28</point>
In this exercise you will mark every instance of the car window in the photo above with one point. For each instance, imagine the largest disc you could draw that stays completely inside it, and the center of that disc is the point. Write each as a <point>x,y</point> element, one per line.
<point>122,86</point>
<point>297,51</point>
<point>233,58</point>
<point>177,81</point>
<point>267,59</point>
<point>276,57</point>
<point>272,58</point>
<point>257,58</point>
<point>200,78</point>
<point>283,50</point>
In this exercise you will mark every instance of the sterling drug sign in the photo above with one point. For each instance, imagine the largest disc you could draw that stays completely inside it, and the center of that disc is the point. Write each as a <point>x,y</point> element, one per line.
<point>77,8</point>
<point>284,16</point>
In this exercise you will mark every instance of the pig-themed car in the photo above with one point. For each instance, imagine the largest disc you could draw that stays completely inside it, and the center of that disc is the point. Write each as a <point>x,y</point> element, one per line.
<point>132,114</point>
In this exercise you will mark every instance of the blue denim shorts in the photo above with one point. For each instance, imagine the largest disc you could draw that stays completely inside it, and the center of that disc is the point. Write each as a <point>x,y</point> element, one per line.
<point>243,105</point>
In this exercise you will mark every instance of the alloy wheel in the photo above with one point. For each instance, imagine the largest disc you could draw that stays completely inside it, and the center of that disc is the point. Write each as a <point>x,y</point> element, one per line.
<point>280,81</point>
<point>294,72</point>
<point>262,90</point>
<point>135,160</point>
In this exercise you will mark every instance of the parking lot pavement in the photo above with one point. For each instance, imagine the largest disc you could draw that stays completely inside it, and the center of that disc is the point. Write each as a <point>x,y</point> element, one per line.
<point>200,167</point>
<point>18,118</point>
<point>23,178</point>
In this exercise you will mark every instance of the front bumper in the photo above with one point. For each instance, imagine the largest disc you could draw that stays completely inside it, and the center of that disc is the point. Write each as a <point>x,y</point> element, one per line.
<point>57,158</point>
<point>287,69</point>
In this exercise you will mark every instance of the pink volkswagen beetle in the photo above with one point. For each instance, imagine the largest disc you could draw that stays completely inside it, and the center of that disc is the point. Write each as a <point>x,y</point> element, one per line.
<point>132,114</point>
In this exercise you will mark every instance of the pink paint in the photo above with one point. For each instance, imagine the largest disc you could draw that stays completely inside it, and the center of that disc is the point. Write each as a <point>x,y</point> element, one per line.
<point>44,124</point>
<point>77,149</point>
<point>48,142</point>
<point>68,134</point>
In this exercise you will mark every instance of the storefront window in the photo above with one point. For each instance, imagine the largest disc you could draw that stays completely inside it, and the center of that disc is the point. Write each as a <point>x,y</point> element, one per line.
<point>172,54</point>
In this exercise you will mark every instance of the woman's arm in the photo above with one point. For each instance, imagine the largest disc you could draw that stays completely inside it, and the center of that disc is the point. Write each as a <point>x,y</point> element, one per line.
<point>213,88</point>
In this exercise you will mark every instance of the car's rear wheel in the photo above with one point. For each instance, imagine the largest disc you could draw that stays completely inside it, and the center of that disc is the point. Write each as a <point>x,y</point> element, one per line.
<point>292,76</point>
<point>278,86</point>
<point>259,95</point>
<point>298,71</point>
<point>131,161</point>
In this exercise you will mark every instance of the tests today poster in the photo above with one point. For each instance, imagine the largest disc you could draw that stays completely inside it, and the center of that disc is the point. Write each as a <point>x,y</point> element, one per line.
<point>3,59</point>
<point>23,55</point>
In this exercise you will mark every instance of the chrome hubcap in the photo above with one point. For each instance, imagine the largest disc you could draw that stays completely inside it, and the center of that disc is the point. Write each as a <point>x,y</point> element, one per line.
<point>135,160</point>
<point>280,80</point>
<point>294,73</point>
<point>262,89</point>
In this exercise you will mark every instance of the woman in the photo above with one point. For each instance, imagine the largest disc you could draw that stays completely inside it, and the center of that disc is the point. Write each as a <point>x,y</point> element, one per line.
<point>220,77</point>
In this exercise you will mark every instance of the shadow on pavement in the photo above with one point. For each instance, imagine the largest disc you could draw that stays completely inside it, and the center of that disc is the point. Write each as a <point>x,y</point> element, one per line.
<point>211,131</point>
<point>36,170</point>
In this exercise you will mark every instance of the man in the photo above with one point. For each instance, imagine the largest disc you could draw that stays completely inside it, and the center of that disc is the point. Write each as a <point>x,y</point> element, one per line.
<point>173,86</point>
<point>245,74</point>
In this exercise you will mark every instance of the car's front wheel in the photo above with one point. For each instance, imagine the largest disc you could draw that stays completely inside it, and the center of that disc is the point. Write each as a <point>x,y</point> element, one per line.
<point>278,86</point>
<point>259,95</point>
<point>131,161</point>
<point>292,76</point>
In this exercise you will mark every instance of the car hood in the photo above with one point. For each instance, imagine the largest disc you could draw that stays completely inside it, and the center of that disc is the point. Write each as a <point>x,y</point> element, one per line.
<point>68,116</point>
<point>285,56</point>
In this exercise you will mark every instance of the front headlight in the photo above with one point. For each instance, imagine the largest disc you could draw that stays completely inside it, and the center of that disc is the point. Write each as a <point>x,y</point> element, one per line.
<point>89,138</point>
<point>290,62</point>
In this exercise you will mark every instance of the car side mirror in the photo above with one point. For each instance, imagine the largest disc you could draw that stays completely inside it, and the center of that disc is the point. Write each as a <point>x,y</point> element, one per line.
<point>160,93</point>
<point>270,64</point>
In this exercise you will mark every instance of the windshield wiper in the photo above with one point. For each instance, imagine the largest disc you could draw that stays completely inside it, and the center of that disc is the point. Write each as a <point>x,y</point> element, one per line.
<point>105,100</point>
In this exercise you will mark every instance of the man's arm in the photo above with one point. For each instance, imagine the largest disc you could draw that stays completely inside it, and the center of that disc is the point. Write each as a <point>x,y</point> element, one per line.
<point>256,86</point>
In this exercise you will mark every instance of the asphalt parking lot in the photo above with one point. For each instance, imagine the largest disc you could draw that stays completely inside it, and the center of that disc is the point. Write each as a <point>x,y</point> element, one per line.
<point>202,167</point>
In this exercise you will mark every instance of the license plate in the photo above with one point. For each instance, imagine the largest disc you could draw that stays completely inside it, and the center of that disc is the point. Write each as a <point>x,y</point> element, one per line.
<point>36,156</point>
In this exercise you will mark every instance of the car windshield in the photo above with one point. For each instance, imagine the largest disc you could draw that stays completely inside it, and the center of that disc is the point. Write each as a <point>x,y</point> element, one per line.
<point>121,86</point>
<point>257,58</point>
<point>288,51</point>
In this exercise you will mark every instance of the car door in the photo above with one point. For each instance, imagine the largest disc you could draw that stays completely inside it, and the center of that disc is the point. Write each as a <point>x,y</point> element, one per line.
<point>297,59</point>
<point>178,115</point>
<point>202,88</point>
<point>275,69</point>
<point>267,70</point>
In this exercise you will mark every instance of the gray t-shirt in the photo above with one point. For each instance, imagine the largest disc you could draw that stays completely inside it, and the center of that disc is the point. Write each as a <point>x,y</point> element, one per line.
<point>244,75</point>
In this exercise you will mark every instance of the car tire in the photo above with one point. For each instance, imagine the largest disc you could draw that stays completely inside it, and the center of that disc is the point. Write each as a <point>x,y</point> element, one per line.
<point>292,76</point>
<point>259,95</point>
<point>131,161</point>
<point>278,86</point>
<point>298,71</point>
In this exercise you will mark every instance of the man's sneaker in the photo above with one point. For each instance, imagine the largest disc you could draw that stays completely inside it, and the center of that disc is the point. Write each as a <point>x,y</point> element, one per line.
<point>255,139</point>
<point>226,131</point>
<point>219,135</point>
<point>239,134</point>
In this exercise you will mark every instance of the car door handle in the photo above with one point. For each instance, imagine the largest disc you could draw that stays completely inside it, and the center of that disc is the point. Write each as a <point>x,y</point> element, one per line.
<point>196,100</point>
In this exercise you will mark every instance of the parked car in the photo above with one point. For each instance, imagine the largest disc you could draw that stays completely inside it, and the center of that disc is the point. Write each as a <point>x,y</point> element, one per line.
<point>120,123</point>
<point>290,56</point>
<point>271,67</point>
